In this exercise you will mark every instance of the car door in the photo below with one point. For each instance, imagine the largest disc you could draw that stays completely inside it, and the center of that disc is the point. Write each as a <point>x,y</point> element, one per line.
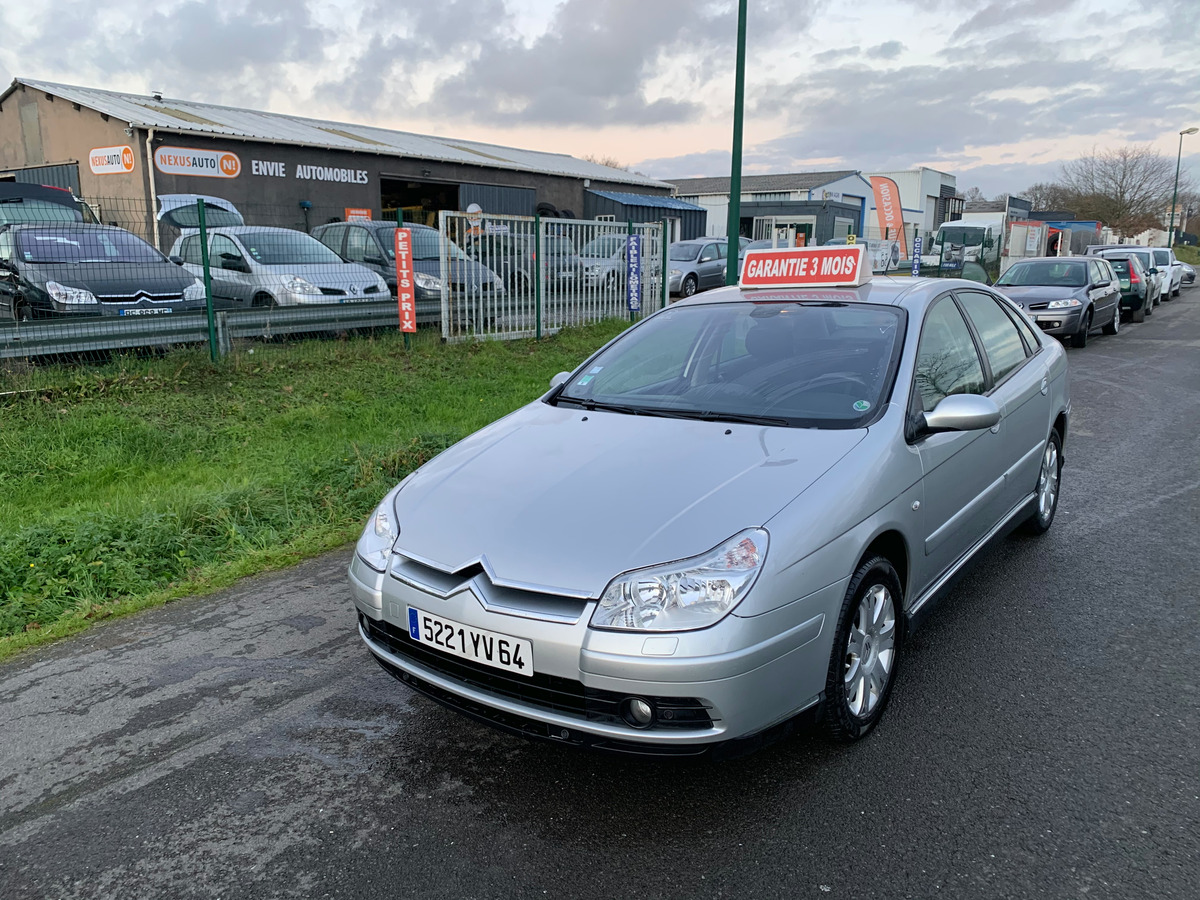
<point>962,471</point>
<point>1020,386</point>
<point>333,237</point>
<point>229,284</point>
<point>1104,292</point>
<point>708,266</point>
<point>362,249</point>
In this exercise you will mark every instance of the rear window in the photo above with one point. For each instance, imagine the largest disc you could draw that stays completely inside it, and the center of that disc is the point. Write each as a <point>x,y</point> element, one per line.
<point>1121,266</point>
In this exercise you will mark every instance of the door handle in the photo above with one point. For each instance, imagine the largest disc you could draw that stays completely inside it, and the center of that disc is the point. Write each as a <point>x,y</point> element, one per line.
<point>1045,385</point>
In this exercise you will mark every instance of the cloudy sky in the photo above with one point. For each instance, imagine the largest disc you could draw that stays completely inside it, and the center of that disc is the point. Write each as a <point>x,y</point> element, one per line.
<point>998,92</point>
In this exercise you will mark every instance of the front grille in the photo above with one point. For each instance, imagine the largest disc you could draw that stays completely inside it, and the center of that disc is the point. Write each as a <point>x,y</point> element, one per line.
<point>137,298</point>
<point>549,692</point>
<point>333,292</point>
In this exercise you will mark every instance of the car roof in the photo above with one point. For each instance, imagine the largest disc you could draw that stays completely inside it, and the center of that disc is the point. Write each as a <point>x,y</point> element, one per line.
<point>1069,260</point>
<point>78,226</point>
<point>882,289</point>
<point>254,229</point>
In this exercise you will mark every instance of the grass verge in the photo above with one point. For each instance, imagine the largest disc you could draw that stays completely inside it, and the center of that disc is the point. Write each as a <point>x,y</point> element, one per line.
<point>127,485</point>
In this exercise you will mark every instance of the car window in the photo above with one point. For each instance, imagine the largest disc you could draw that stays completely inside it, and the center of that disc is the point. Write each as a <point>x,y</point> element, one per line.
<point>1097,273</point>
<point>6,245</point>
<point>722,251</point>
<point>1162,257</point>
<point>189,250</point>
<point>709,253</point>
<point>359,245</point>
<point>65,244</point>
<point>332,237</point>
<point>223,248</point>
<point>947,362</point>
<point>1001,340</point>
<point>682,252</point>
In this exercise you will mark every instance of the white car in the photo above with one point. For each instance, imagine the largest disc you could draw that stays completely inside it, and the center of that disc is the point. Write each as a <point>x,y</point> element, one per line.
<point>1165,259</point>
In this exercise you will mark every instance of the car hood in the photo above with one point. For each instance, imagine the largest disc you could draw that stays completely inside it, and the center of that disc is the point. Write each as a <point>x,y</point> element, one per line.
<point>324,274</point>
<point>1035,293</point>
<point>562,500</point>
<point>113,279</point>
<point>462,271</point>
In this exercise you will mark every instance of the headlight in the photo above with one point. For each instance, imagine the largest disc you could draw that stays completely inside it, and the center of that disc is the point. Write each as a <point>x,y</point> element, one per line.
<point>63,294</point>
<point>675,273</point>
<point>297,285</point>
<point>428,282</point>
<point>592,270</point>
<point>381,285</point>
<point>381,533</point>
<point>1062,304</point>
<point>194,291</point>
<point>685,595</point>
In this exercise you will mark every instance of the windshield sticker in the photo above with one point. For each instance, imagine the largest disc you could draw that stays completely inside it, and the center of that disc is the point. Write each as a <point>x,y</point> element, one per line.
<point>595,370</point>
<point>862,405</point>
<point>585,379</point>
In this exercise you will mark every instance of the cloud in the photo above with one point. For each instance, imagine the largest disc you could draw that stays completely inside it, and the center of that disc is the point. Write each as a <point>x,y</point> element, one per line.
<point>886,50</point>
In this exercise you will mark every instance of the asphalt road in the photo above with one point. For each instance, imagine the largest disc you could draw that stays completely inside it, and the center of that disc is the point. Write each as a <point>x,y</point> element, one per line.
<point>1043,739</point>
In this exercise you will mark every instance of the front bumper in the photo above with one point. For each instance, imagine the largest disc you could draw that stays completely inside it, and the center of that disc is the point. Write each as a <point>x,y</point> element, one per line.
<point>734,680</point>
<point>1057,322</point>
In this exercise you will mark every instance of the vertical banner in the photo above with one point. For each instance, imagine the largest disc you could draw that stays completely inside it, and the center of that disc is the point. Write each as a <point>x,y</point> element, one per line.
<point>633,271</point>
<point>405,290</point>
<point>889,211</point>
<point>916,256</point>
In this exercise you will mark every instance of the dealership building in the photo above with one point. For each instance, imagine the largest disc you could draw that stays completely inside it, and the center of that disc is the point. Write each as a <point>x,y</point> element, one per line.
<point>121,152</point>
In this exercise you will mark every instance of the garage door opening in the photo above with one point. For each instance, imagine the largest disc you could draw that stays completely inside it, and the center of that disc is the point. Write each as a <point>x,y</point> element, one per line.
<point>420,200</point>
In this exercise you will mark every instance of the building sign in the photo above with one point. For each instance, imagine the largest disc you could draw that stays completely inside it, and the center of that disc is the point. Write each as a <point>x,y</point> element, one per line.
<point>356,214</point>
<point>405,287</point>
<point>633,272</point>
<point>205,163</point>
<point>835,196</point>
<point>330,173</point>
<point>111,160</point>
<point>887,207</point>
<point>916,256</point>
<point>806,267</point>
<point>268,167</point>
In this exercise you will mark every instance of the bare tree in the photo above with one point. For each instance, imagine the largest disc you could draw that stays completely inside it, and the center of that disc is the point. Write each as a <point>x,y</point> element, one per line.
<point>974,193</point>
<point>1046,195</point>
<point>611,161</point>
<point>1127,188</point>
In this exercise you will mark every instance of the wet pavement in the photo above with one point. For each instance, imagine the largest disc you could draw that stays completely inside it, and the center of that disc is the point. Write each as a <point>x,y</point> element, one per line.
<point>1043,738</point>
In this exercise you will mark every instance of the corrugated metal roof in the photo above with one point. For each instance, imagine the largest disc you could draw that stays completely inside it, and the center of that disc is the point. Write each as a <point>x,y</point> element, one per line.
<point>647,200</point>
<point>794,181</point>
<point>206,118</point>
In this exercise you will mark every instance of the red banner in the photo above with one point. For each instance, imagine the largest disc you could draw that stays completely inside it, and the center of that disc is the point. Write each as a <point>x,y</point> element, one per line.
<point>406,292</point>
<point>806,267</point>
<point>889,211</point>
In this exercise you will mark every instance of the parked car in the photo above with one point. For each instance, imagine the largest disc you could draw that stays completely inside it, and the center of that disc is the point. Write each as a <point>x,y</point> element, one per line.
<point>1135,286</point>
<point>373,244</point>
<point>514,258</point>
<point>696,265</point>
<point>183,212</point>
<point>1067,296</point>
<point>78,269</point>
<point>752,245</point>
<point>603,260</point>
<point>31,203</point>
<point>1158,277</point>
<point>832,466</point>
<point>1189,274</point>
<point>1165,259</point>
<point>255,265</point>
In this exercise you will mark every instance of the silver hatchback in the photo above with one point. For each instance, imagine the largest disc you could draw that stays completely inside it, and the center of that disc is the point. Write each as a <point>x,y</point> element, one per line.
<point>256,265</point>
<point>736,511</point>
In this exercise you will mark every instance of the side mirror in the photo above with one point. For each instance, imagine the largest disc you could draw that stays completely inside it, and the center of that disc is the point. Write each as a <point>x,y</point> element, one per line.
<point>236,264</point>
<point>560,378</point>
<point>373,260</point>
<point>961,412</point>
<point>178,260</point>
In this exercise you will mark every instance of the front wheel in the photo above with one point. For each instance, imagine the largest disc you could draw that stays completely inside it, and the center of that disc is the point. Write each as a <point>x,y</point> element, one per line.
<point>1114,327</point>
<point>866,647</point>
<point>688,288</point>
<point>1049,478</point>
<point>1079,338</point>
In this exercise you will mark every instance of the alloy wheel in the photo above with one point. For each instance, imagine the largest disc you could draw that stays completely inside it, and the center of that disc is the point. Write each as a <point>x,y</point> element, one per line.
<point>870,651</point>
<point>1047,490</point>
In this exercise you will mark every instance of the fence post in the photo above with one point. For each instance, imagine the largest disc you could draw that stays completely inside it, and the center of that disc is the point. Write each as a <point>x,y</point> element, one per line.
<point>666,290</point>
<point>537,275</point>
<point>213,349</point>
<point>400,224</point>
<point>628,235</point>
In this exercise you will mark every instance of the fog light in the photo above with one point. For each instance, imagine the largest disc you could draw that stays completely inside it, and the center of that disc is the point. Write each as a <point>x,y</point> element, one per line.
<point>638,712</point>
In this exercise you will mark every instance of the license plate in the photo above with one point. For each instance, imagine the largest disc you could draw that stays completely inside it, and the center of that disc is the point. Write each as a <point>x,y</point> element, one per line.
<point>500,651</point>
<point>566,274</point>
<point>144,312</point>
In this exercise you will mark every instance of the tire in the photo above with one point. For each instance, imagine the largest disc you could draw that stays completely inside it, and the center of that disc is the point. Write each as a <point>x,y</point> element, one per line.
<point>869,625</point>
<point>1114,327</point>
<point>688,288</point>
<point>22,313</point>
<point>1048,487</point>
<point>1137,316</point>
<point>1079,339</point>
<point>264,301</point>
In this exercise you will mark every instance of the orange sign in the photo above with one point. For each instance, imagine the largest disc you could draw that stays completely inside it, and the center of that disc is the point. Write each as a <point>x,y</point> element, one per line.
<point>805,267</point>
<point>406,295</point>
<point>356,214</point>
<point>889,211</point>
<point>206,163</point>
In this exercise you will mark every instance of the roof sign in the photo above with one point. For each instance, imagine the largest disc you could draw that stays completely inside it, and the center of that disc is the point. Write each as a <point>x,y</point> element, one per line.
<point>792,267</point>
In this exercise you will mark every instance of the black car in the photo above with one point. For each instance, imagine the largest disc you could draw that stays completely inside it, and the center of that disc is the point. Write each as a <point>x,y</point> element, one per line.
<point>76,269</point>
<point>514,258</point>
<point>22,203</point>
<point>373,243</point>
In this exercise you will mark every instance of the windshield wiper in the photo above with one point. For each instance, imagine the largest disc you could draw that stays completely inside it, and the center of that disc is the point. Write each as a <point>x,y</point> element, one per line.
<point>739,418</point>
<point>591,405</point>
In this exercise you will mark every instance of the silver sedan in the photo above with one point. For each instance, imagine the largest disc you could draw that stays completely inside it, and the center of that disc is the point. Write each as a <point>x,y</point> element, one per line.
<point>735,512</point>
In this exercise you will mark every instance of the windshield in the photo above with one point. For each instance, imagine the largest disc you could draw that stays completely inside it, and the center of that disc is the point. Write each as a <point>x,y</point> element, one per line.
<point>557,246</point>
<point>685,252</point>
<point>286,248</point>
<point>1047,272</point>
<point>968,237</point>
<point>608,245</point>
<point>807,365</point>
<point>426,244</point>
<point>67,245</point>
<point>14,210</point>
<point>1142,256</point>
